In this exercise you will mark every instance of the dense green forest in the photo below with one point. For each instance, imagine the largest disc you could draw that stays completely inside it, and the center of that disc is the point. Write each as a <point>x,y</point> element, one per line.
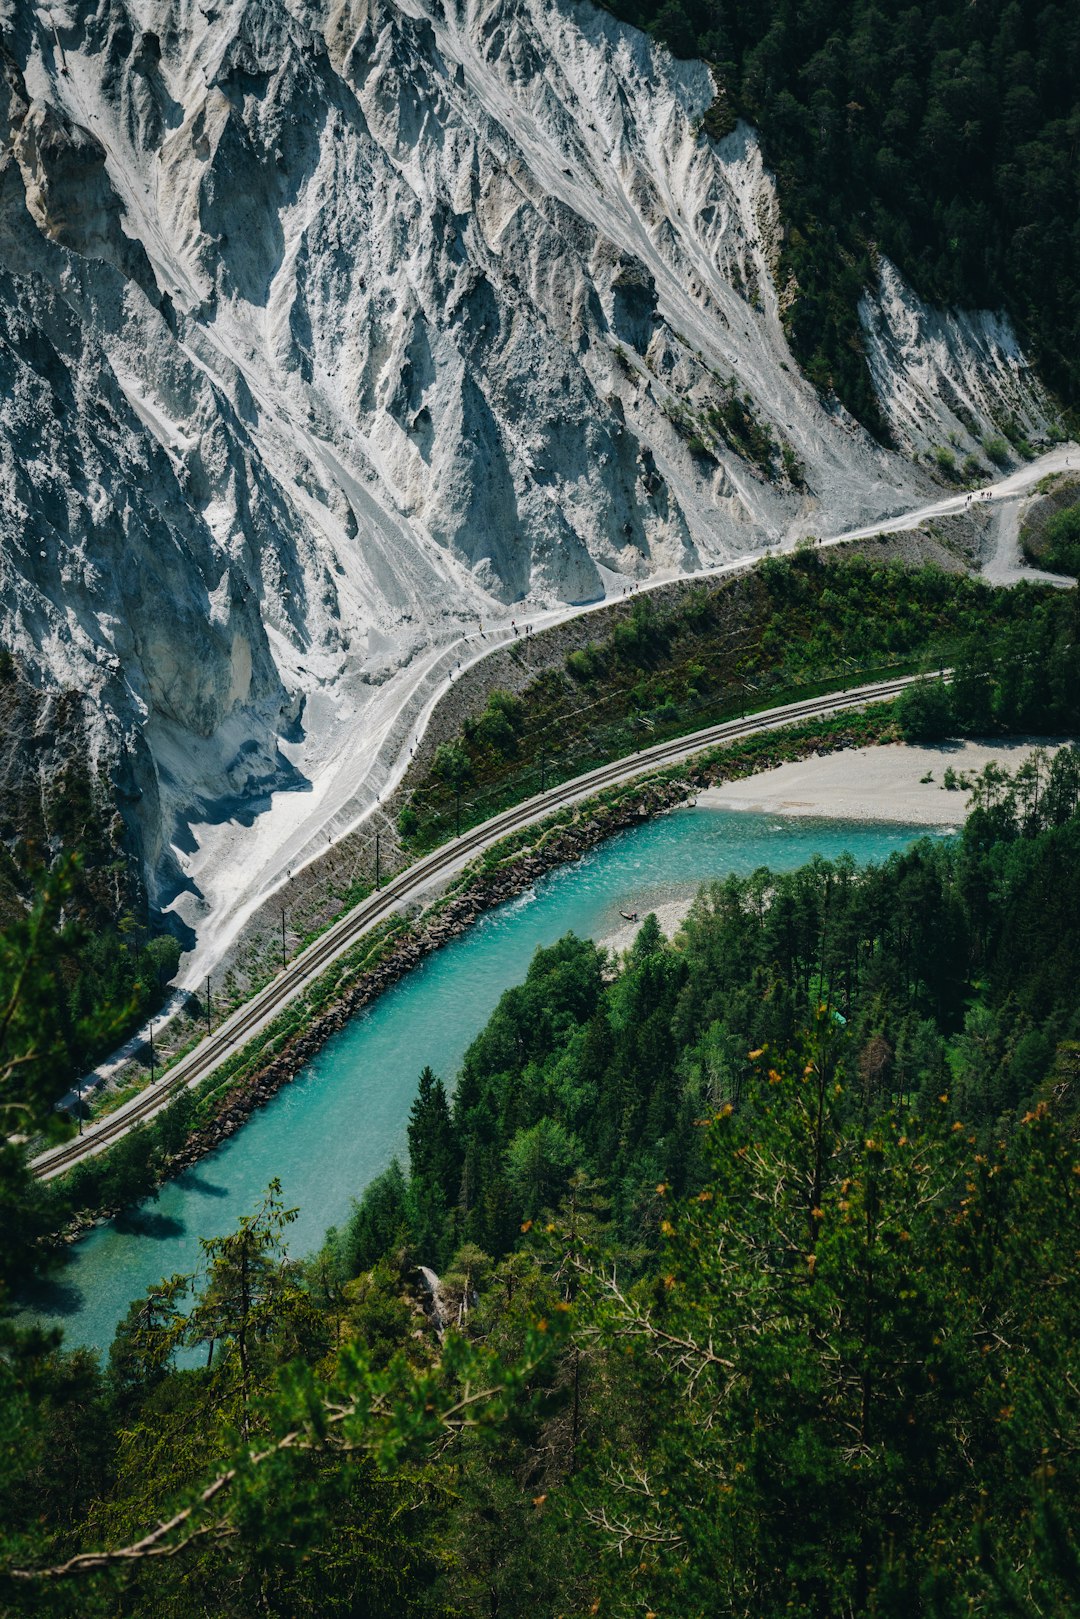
<point>1023,677</point>
<point>758,1257</point>
<point>943,136</point>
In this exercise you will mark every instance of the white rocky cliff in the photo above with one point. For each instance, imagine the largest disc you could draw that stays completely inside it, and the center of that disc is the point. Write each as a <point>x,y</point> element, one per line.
<point>328,327</point>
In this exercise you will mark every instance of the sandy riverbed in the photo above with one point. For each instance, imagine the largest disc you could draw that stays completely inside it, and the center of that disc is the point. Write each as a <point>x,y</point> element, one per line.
<point>864,784</point>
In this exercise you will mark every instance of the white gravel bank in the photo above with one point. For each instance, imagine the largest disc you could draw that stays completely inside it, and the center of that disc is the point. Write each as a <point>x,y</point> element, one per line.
<point>874,784</point>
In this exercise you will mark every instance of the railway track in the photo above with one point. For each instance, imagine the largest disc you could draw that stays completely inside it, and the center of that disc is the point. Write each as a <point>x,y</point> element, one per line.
<point>251,1018</point>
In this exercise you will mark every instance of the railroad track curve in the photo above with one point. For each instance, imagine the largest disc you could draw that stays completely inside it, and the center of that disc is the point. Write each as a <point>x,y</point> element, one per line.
<point>299,974</point>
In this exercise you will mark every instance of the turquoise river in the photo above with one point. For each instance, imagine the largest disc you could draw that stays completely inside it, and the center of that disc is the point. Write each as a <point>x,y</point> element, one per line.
<point>343,1118</point>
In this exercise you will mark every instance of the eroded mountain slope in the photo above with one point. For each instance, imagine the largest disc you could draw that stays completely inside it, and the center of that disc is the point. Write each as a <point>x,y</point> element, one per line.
<point>329,328</point>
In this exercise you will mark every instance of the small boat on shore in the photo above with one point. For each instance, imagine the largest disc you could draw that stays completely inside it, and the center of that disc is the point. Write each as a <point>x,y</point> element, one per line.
<point>629,916</point>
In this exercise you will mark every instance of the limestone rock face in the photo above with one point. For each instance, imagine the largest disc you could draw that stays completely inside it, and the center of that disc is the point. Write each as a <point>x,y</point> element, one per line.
<point>330,324</point>
<point>944,375</point>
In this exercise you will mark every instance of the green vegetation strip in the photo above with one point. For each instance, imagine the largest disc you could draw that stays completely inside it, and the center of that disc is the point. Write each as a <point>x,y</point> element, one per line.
<point>795,626</point>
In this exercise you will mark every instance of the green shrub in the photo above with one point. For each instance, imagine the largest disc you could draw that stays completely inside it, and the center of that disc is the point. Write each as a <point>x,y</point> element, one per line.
<point>452,764</point>
<point>719,119</point>
<point>793,467</point>
<point>500,723</point>
<point>734,419</point>
<point>924,712</point>
<point>637,637</point>
<point>407,822</point>
<point>583,664</point>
